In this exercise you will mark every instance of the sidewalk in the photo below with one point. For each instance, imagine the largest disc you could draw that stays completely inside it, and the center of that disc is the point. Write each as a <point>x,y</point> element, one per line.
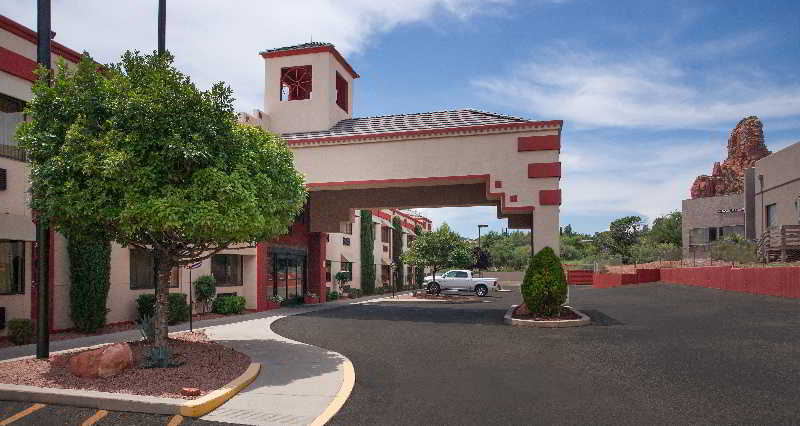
<point>297,383</point>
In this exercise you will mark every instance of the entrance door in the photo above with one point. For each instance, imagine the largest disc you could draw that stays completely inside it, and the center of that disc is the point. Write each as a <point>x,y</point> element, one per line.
<point>289,273</point>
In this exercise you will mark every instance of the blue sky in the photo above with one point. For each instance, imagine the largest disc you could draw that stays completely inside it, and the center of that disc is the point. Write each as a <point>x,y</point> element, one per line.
<point>648,90</point>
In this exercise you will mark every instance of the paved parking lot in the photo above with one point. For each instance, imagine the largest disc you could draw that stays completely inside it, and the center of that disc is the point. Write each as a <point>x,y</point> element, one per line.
<point>657,354</point>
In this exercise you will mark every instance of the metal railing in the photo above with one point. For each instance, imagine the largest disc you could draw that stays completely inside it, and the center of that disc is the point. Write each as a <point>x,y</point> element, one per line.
<point>13,152</point>
<point>780,244</point>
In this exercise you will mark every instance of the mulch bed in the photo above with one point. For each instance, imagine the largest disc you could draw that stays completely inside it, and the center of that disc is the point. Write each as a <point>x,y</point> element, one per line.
<point>521,312</point>
<point>207,365</point>
<point>452,298</point>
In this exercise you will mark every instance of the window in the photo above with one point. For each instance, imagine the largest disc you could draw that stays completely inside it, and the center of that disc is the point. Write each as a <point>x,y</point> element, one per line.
<point>347,228</point>
<point>386,272</point>
<point>385,234</point>
<point>460,274</point>
<point>347,266</point>
<point>346,241</point>
<point>328,271</point>
<point>296,83</point>
<point>341,92</point>
<point>770,215</point>
<point>11,116</point>
<point>141,269</point>
<point>227,269</point>
<point>712,235</point>
<point>12,267</point>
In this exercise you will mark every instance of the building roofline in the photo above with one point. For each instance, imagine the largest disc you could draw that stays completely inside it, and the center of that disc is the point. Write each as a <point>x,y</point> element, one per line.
<point>276,53</point>
<point>521,126</point>
<point>30,35</point>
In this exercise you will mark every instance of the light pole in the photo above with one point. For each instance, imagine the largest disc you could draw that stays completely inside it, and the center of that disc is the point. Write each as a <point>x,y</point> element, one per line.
<point>162,24</point>
<point>42,230</point>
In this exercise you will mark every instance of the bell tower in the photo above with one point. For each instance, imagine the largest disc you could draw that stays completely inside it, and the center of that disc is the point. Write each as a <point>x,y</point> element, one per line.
<point>309,87</point>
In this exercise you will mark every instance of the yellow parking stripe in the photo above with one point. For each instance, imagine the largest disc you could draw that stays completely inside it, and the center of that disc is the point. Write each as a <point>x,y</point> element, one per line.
<point>95,418</point>
<point>175,420</point>
<point>21,414</point>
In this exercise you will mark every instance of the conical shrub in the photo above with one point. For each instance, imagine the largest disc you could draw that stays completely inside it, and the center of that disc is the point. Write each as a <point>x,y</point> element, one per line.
<point>544,288</point>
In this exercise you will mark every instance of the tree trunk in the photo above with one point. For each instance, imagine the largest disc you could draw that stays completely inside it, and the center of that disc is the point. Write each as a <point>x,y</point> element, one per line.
<point>162,295</point>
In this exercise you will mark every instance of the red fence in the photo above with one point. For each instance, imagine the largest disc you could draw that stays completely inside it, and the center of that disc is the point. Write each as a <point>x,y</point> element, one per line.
<point>772,281</point>
<point>579,277</point>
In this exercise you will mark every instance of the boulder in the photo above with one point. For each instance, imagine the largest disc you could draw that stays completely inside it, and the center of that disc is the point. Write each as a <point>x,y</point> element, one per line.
<point>114,360</point>
<point>102,362</point>
<point>191,392</point>
<point>85,363</point>
<point>745,147</point>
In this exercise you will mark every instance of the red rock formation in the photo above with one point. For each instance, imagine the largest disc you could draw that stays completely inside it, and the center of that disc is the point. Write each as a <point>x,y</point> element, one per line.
<point>745,147</point>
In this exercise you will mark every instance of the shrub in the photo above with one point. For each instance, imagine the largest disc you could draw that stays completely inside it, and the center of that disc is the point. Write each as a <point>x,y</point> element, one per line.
<point>734,248</point>
<point>177,307</point>
<point>20,331</point>
<point>367,255</point>
<point>227,305</point>
<point>333,295</point>
<point>354,293</point>
<point>544,287</point>
<point>89,272</point>
<point>205,287</point>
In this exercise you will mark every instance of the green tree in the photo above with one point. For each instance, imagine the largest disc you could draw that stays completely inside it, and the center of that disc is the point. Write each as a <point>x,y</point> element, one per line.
<point>668,229</point>
<point>397,249</point>
<point>439,249</point>
<point>137,150</point>
<point>623,233</point>
<point>367,255</point>
<point>205,288</point>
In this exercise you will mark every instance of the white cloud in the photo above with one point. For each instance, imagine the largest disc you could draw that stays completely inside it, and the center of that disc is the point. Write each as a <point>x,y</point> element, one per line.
<point>648,91</point>
<point>215,40</point>
<point>649,179</point>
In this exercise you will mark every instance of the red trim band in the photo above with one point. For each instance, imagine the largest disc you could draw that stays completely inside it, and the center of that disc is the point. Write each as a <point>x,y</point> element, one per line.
<point>550,197</point>
<point>544,170</point>
<point>321,49</point>
<point>30,35</point>
<point>539,143</point>
<point>17,65</point>
<point>428,132</point>
<point>513,198</point>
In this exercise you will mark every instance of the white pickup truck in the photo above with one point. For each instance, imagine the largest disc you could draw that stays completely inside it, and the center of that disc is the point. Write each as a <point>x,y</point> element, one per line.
<point>459,279</point>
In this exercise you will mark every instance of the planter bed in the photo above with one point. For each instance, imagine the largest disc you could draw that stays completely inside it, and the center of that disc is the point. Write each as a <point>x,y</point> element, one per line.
<point>206,366</point>
<point>568,317</point>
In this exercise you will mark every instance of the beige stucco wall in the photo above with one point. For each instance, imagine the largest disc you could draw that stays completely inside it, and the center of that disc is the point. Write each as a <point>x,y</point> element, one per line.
<point>493,154</point>
<point>704,213</point>
<point>781,171</point>
<point>15,215</point>
<point>319,112</point>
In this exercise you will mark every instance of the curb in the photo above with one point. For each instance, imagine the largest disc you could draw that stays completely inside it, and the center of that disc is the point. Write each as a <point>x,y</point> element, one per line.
<point>583,320</point>
<point>130,402</point>
<point>341,397</point>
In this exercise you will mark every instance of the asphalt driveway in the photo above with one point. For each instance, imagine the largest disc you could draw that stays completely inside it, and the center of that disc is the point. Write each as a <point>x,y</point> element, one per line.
<point>656,354</point>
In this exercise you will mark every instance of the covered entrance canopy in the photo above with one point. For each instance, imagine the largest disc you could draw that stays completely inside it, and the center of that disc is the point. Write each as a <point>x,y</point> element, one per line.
<point>436,159</point>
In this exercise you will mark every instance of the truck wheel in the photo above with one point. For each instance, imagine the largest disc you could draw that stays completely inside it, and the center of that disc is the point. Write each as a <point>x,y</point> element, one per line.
<point>433,288</point>
<point>481,290</point>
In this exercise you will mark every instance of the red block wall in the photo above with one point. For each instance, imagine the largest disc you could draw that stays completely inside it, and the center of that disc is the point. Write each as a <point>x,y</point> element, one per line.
<point>777,281</point>
<point>580,277</point>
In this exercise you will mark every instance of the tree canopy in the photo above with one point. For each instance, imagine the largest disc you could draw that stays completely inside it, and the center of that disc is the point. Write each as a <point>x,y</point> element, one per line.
<point>136,152</point>
<point>439,249</point>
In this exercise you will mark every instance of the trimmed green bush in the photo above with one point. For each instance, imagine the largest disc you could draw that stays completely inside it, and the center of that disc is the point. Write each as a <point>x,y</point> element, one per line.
<point>544,287</point>
<point>397,252</point>
<point>205,288</point>
<point>89,272</point>
<point>177,307</point>
<point>227,305</point>
<point>20,331</point>
<point>333,295</point>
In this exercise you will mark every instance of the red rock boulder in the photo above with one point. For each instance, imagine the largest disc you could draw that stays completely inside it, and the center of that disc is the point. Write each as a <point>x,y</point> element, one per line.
<point>102,362</point>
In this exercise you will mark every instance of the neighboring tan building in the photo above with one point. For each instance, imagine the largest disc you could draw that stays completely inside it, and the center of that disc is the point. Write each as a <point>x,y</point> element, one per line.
<point>708,219</point>
<point>772,200</point>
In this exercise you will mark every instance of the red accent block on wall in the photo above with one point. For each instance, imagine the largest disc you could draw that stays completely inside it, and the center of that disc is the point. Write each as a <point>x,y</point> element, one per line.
<point>539,143</point>
<point>16,64</point>
<point>498,184</point>
<point>513,198</point>
<point>648,275</point>
<point>550,197</point>
<point>544,170</point>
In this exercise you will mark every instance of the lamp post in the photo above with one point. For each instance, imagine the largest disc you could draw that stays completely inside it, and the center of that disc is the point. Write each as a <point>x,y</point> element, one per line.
<point>162,24</point>
<point>43,36</point>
